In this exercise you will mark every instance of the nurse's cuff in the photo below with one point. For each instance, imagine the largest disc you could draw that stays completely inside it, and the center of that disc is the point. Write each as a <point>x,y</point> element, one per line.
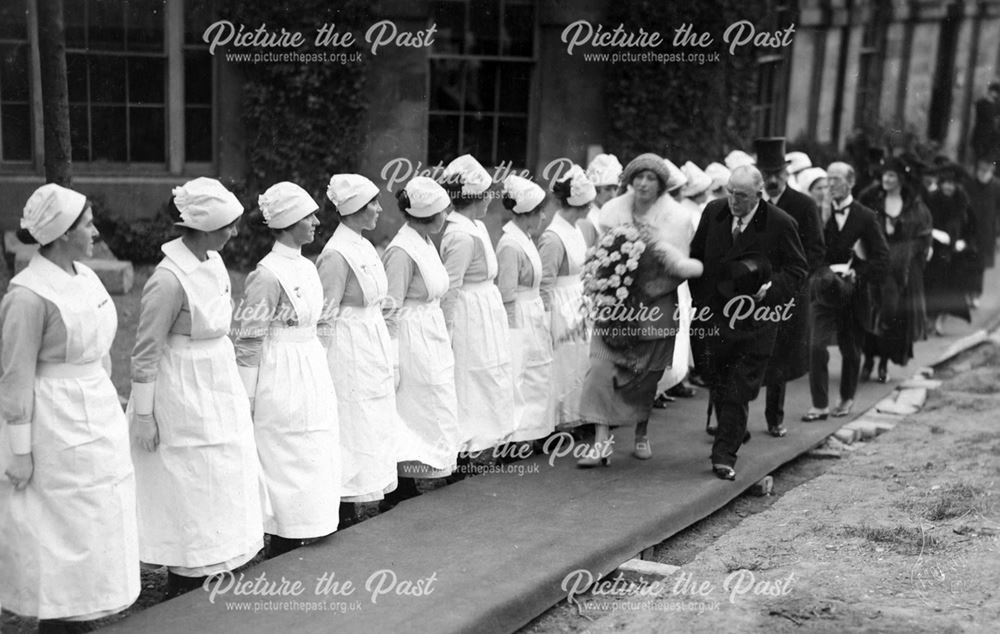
<point>249,376</point>
<point>142,397</point>
<point>20,438</point>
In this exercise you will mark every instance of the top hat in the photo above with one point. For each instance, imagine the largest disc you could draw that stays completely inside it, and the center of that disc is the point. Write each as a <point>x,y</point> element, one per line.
<point>745,276</point>
<point>770,153</point>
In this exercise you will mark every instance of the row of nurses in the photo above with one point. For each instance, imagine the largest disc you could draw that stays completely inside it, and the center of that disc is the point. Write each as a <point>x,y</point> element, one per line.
<point>69,549</point>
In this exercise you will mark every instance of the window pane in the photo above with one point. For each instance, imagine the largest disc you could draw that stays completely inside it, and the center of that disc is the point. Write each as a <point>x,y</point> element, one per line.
<point>76,77</point>
<point>449,17</point>
<point>106,25</point>
<point>515,87</point>
<point>197,77</point>
<point>108,133</point>
<point>107,79</point>
<point>512,140</point>
<point>14,72</point>
<point>484,27</point>
<point>145,25</point>
<point>519,30</point>
<point>75,21</point>
<point>13,20</point>
<point>79,134</point>
<point>478,138</point>
<point>446,84</point>
<point>16,131</point>
<point>146,79</point>
<point>146,135</point>
<point>198,134</point>
<point>442,138</point>
<point>480,86</point>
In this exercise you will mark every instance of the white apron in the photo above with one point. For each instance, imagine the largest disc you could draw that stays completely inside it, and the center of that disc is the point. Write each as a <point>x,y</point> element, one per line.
<point>570,334</point>
<point>480,338</point>
<point>198,493</point>
<point>532,343</point>
<point>68,542</point>
<point>360,362</point>
<point>425,398</point>
<point>295,413</point>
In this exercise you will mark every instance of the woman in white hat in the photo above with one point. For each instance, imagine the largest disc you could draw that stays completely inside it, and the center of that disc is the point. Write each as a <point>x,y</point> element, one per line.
<point>604,172</point>
<point>68,543</point>
<point>519,279</point>
<point>359,349</point>
<point>812,181</point>
<point>563,250</point>
<point>197,472</point>
<point>474,312</point>
<point>284,369</point>
<point>425,393</point>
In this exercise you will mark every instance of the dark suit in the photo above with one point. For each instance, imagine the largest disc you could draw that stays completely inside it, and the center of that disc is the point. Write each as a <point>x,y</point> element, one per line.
<point>790,359</point>
<point>985,137</point>
<point>735,358</point>
<point>846,322</point>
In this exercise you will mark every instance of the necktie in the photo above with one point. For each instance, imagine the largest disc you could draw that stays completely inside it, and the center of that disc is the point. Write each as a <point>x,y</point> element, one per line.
<point>737,229</point>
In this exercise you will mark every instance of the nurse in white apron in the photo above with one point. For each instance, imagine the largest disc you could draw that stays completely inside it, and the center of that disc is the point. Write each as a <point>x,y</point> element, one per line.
<point>519,278</point>
<point>425,390</point>
<point>604,172</point>
<point>358,347</point>
<point>68,544</point>
<point>474,312</point>
<point>284,369</point>
<point>563,251</point>
<point>197,472</point>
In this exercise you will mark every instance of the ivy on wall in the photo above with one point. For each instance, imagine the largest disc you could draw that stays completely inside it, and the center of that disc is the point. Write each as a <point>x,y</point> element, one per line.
<point>684,111</point>
<point>303,121</point>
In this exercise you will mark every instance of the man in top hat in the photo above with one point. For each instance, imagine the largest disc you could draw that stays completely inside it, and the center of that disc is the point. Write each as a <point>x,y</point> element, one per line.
<point>754,264</point>
<point>843,306</point>
<point>790,359</point>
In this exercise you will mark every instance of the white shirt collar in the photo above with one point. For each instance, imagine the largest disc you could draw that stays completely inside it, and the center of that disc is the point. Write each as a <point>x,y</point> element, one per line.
<point>744,222</point>
<point>286,251</point>
<point>844,203</point>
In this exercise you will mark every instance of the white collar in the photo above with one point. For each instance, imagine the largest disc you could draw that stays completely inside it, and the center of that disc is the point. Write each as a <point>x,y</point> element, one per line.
<point>511,227</point>
<point>350,234</point>
<point>461,219</point>
<point>286,251</point>
<point>557,219</point>
<point>182,256</point>
<point>744,222</point>
<point>416,235</point>
<point>844,204</point>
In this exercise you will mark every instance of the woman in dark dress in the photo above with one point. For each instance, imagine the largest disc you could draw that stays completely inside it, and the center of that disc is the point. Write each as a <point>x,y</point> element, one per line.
<point>906,223</point>
<point>946,282</point>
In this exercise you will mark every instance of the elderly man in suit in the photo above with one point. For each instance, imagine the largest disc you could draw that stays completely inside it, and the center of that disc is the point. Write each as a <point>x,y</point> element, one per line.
<point>754,265</point>
<point>843,298</point>
<point>790,358</point>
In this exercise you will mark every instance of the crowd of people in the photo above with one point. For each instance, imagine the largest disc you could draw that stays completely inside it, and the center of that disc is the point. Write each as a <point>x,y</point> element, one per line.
<point>338,385</point>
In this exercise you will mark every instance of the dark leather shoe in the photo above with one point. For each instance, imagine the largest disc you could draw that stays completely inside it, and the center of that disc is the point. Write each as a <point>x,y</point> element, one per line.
<point>843,408</point>
<point>866,370</point>
<point>711,430</point>
<point>723,472</point>
<point>746,437</point>
<point>778,431</point>
<point>814,415</point>
<point>681,391</point>
<point>883,373</point>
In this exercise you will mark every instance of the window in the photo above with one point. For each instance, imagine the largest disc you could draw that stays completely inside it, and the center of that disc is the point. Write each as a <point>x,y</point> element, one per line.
<point>944,74</point>
<point>870,65</point>
<point>116,68</point>
<point>15,86</point>
<point>480,80</point>
<point>198,83</point>
<point>772,73</point>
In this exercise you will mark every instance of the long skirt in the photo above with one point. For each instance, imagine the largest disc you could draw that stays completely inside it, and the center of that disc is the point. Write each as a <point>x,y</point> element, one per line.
<point>425,399</point>
<point>199,495</point>
<point>68,542</point>
<point>298,435</point>
<point>360,362</point>
<point>533,375</point>
<point>571,343</point>
<point>620,385</point>
<point>484,378</point>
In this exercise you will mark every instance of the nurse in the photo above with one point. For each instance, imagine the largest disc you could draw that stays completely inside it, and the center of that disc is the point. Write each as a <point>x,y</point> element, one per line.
<point>197,472</point>
<point>425,387</point>
<point>358,346</point>
<point>284,370</point>
<point>474,312</point>
<point>68,545</point>
<point>604,172</point>
<point>563,250</point>
<point>519,278</point>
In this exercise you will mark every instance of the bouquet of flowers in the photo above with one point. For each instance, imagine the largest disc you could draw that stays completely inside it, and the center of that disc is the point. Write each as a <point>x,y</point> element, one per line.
<point>609,280</point>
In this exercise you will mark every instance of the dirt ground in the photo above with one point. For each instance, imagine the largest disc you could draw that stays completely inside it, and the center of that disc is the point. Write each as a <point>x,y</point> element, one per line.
<point>899,535</point>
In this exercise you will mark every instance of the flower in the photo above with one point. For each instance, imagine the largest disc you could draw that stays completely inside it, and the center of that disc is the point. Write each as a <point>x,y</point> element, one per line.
<point>632,265</point>
<point>620,269</point>
<point>640,245</point>
<point>628,280</point>
<point>615,256</point>
<point>621,293</point>
<point>615,281</point>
